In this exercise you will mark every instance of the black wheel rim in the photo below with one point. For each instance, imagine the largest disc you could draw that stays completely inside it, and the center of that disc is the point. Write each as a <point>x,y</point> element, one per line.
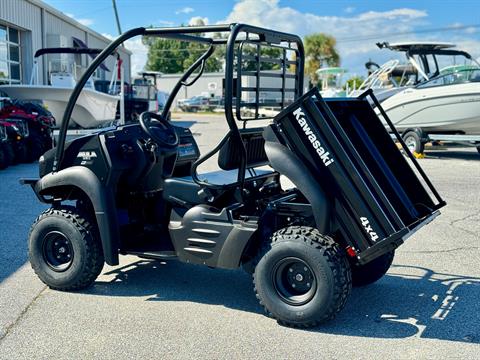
<point>294,281</point>
<point>57,251</point>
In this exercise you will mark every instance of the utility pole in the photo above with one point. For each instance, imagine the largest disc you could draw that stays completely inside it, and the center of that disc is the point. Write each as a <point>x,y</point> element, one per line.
<point>116,17</point>
<point>120,69</point>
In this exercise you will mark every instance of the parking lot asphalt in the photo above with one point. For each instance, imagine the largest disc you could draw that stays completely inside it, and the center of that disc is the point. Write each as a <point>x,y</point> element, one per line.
<point>427,306</point>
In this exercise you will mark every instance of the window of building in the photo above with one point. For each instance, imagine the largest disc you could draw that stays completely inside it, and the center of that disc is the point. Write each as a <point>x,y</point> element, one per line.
<point>10,56</point>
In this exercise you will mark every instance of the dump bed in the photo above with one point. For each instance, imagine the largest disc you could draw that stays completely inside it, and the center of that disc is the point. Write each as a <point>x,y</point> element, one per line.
<point>380,198</point>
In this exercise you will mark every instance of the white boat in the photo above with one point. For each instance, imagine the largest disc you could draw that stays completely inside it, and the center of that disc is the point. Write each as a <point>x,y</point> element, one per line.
<point>381,80</point>
<point>92,109</point>
<point>446,101</point>
<point>331,81</point>
<point>395,75</point>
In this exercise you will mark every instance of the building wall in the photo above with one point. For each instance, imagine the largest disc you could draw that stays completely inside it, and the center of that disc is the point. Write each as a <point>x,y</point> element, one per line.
<point>28,17</point>
<point>201,87</point>
<point>43,26</point>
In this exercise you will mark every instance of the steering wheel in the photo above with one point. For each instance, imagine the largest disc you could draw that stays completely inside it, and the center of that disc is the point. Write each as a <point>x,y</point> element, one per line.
<point>159,129</point>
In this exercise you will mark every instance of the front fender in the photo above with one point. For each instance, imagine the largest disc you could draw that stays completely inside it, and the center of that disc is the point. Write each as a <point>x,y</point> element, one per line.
<point>101,197</point>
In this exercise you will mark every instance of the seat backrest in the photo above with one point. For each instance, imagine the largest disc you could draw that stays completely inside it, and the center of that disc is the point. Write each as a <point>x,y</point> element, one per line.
<point>229,156</point>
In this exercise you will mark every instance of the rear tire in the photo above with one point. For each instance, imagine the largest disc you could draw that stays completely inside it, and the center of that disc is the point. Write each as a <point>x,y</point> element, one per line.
<point>373,271</point>
<point>302,278</point>
<point>65,250</point>
<point>414,142</point>
<point>9,153</point>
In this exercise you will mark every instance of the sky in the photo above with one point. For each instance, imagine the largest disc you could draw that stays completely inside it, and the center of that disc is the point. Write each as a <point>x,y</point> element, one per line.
<point>357,25</point>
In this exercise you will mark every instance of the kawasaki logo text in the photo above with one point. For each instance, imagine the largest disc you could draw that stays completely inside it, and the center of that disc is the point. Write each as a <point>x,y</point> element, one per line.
<point>324,155</point>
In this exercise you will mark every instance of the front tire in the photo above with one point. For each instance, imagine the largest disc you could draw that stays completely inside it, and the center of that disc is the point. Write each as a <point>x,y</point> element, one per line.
<point>373,271</point>
<point>21,152</point>
<point>64,249</point>
<point>35,147</point>
<point>302,278</point>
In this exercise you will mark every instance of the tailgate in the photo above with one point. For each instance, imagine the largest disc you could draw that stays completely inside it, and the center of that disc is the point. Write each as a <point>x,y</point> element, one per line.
<point>380,198</point>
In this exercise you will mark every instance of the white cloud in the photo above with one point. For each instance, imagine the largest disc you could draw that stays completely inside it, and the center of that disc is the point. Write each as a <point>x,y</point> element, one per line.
<point>108,36</point>
<point>348,30</point>
<point>85,21</point>
<point>139,51</point>
<point>472,46</point>
<point>185,10</point>
<point>268,13</point>
<point>471,30</point>
<point>139,54</point>
<point>455,25</point>
<point>198,20</point>
<point>349,9</point>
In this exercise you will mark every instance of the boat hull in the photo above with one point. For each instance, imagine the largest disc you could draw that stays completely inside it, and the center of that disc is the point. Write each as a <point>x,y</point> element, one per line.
<point>92,109</point>
<point>380,93</point>
<point>441,109</point>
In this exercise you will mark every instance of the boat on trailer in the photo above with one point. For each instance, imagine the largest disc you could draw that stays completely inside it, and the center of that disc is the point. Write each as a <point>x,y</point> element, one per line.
<point>394,75</point>
<point>446,100</point>
<point>93,108</point>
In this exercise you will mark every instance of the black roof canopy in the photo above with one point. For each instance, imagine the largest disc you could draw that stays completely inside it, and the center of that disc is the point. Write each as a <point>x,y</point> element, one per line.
<point>67,50</point>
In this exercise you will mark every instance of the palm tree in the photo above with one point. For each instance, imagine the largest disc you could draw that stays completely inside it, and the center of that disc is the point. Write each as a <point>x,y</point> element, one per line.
<point>320,51</point>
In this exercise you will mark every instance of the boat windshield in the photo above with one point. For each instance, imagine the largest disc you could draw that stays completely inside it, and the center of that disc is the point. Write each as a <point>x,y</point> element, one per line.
<point>331,77</point>
<point>441,62</point>
<point>459,75</point>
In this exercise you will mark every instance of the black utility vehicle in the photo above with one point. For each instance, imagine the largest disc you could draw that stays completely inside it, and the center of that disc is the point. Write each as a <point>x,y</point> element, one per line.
<point>136,189</point>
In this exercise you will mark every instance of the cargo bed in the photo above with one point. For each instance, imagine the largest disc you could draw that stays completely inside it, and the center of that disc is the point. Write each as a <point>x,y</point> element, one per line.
<point>379,197</point>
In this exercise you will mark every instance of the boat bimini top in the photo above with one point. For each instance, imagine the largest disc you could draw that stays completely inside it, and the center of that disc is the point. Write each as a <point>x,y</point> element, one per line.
<point>425,51</point>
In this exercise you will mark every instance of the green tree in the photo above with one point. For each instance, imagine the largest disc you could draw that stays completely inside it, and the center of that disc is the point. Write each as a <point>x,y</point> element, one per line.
<point>166,55</point>
<point>265,52</point>
<point>195,50</point>
<point>353,83</point>
<point>320,50</point>
<point>172,56</point>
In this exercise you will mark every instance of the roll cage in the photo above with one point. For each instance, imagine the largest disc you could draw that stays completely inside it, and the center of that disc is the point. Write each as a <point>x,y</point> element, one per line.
<point>236,38</point>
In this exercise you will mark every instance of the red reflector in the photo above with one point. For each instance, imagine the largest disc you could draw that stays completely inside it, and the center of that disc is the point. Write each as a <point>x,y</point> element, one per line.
<point>351,252</point>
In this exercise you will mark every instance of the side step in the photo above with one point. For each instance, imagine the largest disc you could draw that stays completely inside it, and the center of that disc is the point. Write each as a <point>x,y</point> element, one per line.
<point>154,255</point>
<point>210,236</point>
